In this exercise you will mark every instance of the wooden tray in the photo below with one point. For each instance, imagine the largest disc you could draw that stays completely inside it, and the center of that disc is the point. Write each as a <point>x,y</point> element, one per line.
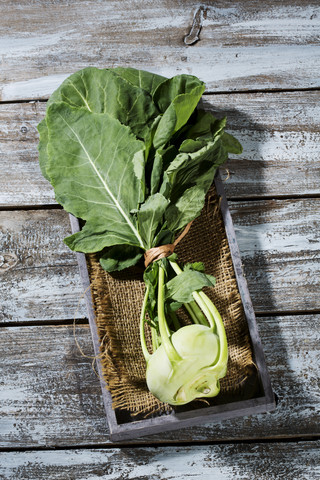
<point>125,427</point>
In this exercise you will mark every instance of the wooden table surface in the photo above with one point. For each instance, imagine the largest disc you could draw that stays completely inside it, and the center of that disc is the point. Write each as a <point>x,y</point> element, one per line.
<point>261,65</point>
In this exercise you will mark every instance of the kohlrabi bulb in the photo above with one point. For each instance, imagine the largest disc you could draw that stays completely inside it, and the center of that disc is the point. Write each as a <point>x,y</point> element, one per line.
<point>198,372</point>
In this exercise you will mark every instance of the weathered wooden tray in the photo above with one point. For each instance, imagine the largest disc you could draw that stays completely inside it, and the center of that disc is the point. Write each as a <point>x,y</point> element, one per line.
<point>125,427</point>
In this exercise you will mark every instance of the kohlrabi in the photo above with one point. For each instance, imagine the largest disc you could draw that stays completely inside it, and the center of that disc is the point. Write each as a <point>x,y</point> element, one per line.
<point>128,153</point>
<point>187,361</point>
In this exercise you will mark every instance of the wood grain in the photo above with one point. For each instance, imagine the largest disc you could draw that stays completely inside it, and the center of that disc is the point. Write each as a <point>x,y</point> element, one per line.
<point>39,278</point>
<point>278,242</point>
<point>280,249</point>
<point>221,462</point>
<point>50,395</point>
<point>243,45</point>
<point>279,134</point>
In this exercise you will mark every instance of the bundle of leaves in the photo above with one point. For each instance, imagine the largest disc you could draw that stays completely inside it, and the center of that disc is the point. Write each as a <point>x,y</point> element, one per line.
<point>128,152</point>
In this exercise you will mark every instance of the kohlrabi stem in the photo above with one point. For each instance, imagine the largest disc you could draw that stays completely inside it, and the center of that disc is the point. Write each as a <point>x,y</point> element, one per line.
<point>223,355</point>
<point>154,339</point>
<point>145,352</point>
<point>202,304</point>
<point>197,311</point>
<point>191,312</point>
<point>213,309</point>
<point>163,327</point>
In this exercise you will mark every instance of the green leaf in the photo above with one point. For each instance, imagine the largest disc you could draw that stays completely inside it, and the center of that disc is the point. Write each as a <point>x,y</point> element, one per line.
<point>197,168</point>
<point>186,208</point>
<point>120,257</point>
<point>206,126</point>
<point>171,88</point>
<point>181,287</point>
<point>140,78</point>
<point>150,278</point>
<point>43,147</point>
<point>187,180</point>
<point>231,144</point>
<point>156,173</point>
<point>92,166</point>
<point>174,306</point>
<point>105,91</point>
<point>191,146</point>
<point>198,266</point>
<point>177,98</point>
<point>150,217</point>
<point>162,160</point>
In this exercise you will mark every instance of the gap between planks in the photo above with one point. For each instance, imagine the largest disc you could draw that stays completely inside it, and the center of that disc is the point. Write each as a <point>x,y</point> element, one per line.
<point>208,92</point>
<point>253,198</point>
<point>85,323</point>
<point>56,206</point>
<point>110,446</point>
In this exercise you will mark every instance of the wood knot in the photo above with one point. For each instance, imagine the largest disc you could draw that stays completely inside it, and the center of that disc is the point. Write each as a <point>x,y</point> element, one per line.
<point>194,34</point>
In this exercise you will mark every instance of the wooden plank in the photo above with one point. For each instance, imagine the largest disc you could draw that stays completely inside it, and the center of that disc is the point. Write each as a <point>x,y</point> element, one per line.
<point>39,278</point>
<point>280,249</point>
<point>221,462</point>
<point>50,395</point>
<point>280,137</point>
<point>21,182</point>
<point>276,147</point>
<point>278,243</point>
<point>247,45</point>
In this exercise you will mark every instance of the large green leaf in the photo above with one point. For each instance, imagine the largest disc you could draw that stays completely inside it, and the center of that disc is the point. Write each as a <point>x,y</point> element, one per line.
<point>105,91</point>
<point>177,97</point>
<point>96,167</point>
<point>187,180</point>
<point>140,78</point>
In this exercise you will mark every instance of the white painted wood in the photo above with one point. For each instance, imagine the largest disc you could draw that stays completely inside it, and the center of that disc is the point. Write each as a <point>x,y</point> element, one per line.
<point>280,137</point>
<point>50,396</point>
<point>243,45</point>
<point>39,278</point>
<point>280,250</point>
<point>279,133</point>
<point>221,462</point>
<point>279,245</point>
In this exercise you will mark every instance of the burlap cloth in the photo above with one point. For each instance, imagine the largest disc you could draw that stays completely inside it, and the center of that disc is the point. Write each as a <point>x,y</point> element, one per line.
<point>118,298</point>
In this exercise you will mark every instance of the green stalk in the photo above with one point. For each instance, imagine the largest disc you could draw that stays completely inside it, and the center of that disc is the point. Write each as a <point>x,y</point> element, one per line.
<point>145,352</point>
<point>163,327</point>
<point>206,310</point>
<point>197,311</point>
<point>154,338</point>
<point>190,310</point>
<point>223,356</point>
